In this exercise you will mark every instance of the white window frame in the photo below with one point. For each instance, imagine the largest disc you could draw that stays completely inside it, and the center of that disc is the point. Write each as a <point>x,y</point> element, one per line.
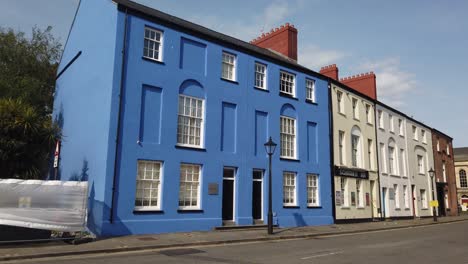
<point>368,114</point>
<point>383,159</point>
<point>339,98</point>
<point>400,127</point>
<point>192,120</point>
<point>287,82</point>
<point>228,66</point>
<point>423,135</point>
<point>289,188</point>
<point>391,160</point>
<point>381,121</point>
<point>403,162</point>
<point>288,137</point>
<point>370,151</point>
<point>341,147</point>
<point>392,126</point>
<point>405,196</point>
<point>344,191</point>
<point>448,149</point>
<point>423,194</point>
<point>152,42</point>
<point>260,76</point>
<point>415,133</point>
<point>184,180</point>
<point>420,162</point>
<point>313,190</point>
<point>355,106</point>
<point>149,177</point>
<point>438,145</point>
<point>359,194</point>
<point>396,189</point>
<point>310,90</point>
<point>444,173</point>
<point>464,182</point>
<point>356,151</point>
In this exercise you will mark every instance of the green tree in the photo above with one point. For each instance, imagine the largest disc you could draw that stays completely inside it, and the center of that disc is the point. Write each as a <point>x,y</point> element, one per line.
<point>28,67</point>
<point>27,82</point>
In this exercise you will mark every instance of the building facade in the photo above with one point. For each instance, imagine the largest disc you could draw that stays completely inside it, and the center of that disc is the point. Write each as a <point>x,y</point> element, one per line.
<point>171,119</point>
<point>394,171</point>
<point>420,161</point>
<point>444,168</point>
<point>356,186</point>
<point>461,170</point>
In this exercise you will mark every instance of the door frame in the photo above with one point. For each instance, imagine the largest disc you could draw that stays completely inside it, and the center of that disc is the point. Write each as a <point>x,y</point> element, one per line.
<point>414,195</point>
<point>262,191</point>
<point>234,196</point>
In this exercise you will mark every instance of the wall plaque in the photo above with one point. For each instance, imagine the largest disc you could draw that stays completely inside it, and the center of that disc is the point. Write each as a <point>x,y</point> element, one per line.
<point>212,188</point>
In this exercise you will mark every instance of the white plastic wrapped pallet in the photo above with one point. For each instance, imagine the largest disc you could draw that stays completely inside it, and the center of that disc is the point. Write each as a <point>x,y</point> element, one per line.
<point>51,205</point>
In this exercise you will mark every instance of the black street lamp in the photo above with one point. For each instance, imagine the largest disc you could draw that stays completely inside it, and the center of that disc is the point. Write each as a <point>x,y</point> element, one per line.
<point>270,147</point>
<point>432,173</point>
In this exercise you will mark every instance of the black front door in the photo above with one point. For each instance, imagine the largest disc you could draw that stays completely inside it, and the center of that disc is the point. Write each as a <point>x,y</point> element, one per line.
<point>257,200</point>
<point>228,194</point>
<point>441,199</point>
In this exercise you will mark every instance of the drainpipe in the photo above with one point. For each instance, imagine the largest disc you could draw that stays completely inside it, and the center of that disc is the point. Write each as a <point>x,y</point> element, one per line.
<point>117,139</point>
<point>332,150</point>
<point>382,211</point>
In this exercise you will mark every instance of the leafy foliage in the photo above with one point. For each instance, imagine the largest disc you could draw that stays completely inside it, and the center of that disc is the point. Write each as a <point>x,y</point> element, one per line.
<point>27,80</point>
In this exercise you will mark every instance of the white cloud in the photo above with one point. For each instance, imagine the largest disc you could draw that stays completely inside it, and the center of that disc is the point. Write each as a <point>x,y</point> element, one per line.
<point>249,28</point>
<point>314,57</point>
<point>393,83</point>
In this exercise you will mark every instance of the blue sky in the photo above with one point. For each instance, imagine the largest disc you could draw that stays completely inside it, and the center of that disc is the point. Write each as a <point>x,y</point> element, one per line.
<point>418,49</point>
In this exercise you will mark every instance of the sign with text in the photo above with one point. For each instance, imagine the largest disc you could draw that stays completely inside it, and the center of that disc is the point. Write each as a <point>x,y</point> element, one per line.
<point>434,203</point>
<point>354,173</point>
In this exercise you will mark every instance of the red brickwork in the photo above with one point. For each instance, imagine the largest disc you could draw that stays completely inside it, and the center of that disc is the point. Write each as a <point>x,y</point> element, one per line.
<point>364,83</point>
<point>449,185</point>
<point>330,71</point>
<point>282,40</point>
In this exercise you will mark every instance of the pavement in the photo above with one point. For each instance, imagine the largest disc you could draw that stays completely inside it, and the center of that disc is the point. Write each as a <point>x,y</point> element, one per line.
<point>194,239</point>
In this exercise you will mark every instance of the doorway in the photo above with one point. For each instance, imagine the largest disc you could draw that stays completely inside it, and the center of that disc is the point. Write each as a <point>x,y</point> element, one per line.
<point>371,198</point>
<point>413,194</point>
<point>441,198</point>
<point>384,201</point>
<point>228,193</point>
<point>257,195</point>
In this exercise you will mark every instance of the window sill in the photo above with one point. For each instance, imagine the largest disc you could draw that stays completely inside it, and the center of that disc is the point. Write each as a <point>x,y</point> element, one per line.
<point>392,132</point>
<point>290,96</point>
<point>381,128</point>
<point>360,208</point>
<point>310,102</point>
<point>421,174</point>
<point>227,80</point>
<point>314,206</point>
<point>290,159</point>
<point>370,124</point>
<point>345,207</point>
<point>190,148</point>
<point>407,209</point>
<point>152,60</point>
<point>189,211</point>
<point>397,209</point>
<point>425,209</point>
<point>291,206</point>
<point>143,211</point>
<point>341,113</point>
<point>261,89</point>
<point>402,135</point>
<point>356,119</point>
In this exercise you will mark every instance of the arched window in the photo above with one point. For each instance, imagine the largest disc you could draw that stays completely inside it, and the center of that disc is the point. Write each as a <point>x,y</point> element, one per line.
<point>463,182</point>
<point>392,157</point>
<point>288,132</point>
<point>356,157</point>
<point>191,114</point>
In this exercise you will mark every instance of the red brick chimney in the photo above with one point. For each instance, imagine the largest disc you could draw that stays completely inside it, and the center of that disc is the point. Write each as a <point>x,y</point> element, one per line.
<point>364,83</point>
<point>282,40</point>
<point>330,71</point>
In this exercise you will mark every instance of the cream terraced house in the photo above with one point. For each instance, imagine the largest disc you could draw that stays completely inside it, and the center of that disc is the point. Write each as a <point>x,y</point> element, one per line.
<point>420,161</point>
<point>394,169</point>
<point>461,171</point>
<point>356,186</point>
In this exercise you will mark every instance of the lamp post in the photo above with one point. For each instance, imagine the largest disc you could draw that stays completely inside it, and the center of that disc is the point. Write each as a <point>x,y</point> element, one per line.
<point>432,173</point>
<point>270,147</point>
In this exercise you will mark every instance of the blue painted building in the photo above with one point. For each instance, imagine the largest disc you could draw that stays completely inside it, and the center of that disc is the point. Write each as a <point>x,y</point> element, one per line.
<point>169,120</point>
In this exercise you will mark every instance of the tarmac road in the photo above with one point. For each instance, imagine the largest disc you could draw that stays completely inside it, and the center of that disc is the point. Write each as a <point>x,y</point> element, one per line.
<point>444,243</point>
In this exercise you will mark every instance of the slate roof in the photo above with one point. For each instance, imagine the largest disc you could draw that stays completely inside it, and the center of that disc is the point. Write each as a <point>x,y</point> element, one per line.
<point>460,154</point>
